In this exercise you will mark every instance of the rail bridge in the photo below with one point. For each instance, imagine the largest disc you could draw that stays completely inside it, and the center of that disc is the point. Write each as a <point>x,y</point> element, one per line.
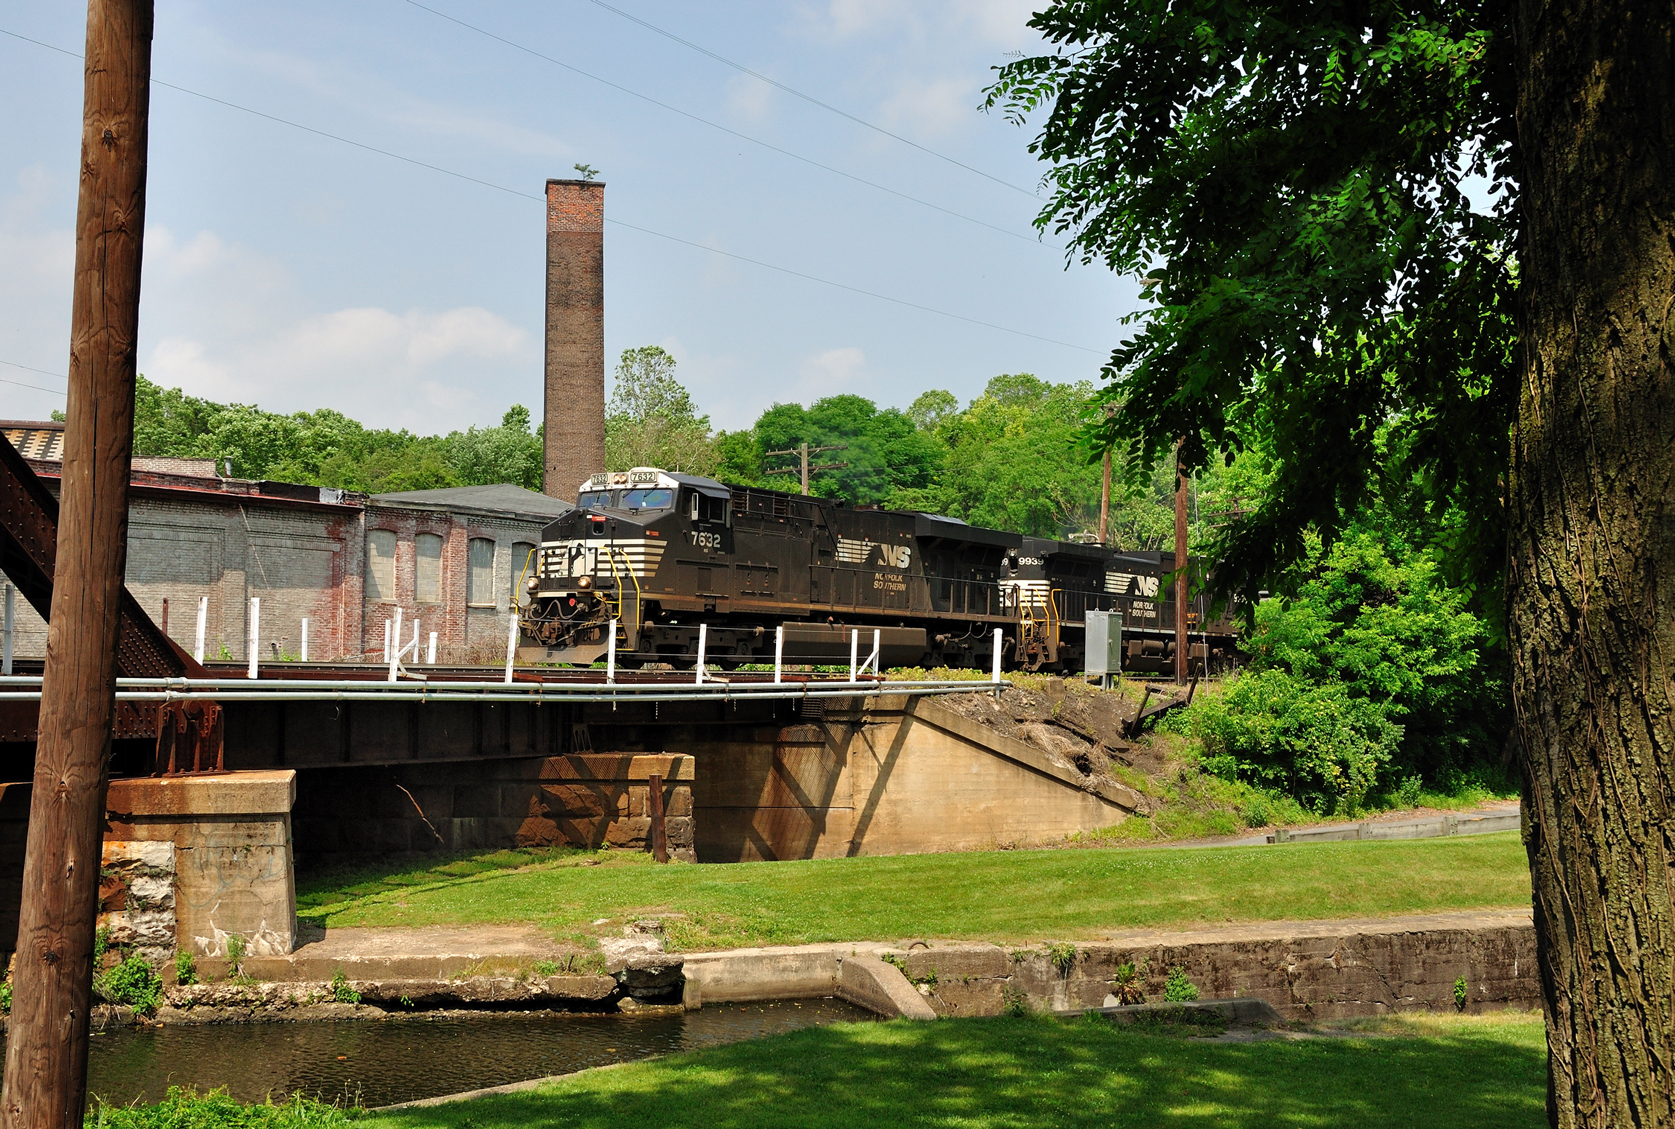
<point>224,776</point>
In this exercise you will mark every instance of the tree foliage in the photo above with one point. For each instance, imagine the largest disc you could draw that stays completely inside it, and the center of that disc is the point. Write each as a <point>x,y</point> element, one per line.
<point>650,420</point>
<point>1375,670</point>
<point>327,448</point>
<point>1291,179</point>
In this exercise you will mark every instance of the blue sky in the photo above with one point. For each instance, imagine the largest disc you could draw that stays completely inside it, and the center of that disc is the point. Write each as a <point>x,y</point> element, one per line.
<point>297,272</point>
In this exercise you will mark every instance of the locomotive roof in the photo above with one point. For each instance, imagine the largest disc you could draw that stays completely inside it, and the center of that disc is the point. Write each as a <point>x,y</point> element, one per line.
<point>953,529</point>
<point>652,476</point>
<point>1048,547</point>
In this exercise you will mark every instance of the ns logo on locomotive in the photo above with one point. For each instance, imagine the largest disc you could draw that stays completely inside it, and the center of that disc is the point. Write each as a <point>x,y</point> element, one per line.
<point>659,554</point>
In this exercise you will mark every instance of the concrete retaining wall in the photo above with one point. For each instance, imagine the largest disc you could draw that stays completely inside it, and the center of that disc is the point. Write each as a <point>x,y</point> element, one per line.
<point>891,775</point>
<point>1305,970</point>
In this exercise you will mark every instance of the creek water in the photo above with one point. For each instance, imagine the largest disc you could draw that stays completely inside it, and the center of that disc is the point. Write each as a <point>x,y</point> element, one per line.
<point>378,1062</point>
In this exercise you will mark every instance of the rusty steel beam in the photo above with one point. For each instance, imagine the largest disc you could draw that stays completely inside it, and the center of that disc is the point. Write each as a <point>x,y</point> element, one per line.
<point>29,556</point>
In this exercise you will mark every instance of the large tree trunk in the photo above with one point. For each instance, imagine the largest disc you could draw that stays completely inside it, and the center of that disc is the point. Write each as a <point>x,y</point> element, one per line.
<point>1591,567</point>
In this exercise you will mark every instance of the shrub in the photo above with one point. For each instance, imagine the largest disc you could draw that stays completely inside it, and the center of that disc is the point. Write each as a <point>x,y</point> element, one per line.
<point>1312,740</point>
<point>1177,989</point>
<point>1407,792</point>
<point>6,995</point>
<point>133,983</point>
<point>1063,956</point>
<point>235,950</point>
<point>185,968</point>
<point>1460,992</point>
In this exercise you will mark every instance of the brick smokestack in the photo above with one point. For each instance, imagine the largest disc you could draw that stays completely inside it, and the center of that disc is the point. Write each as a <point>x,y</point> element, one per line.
<point>575,372</point>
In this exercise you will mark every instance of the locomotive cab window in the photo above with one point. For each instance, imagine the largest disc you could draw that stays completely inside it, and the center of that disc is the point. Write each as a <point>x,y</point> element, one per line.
<point>702,507</point>
<point>594,500</point>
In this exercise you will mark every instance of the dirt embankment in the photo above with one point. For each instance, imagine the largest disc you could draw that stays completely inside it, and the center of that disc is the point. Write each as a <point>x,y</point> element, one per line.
<point>1077,725</point>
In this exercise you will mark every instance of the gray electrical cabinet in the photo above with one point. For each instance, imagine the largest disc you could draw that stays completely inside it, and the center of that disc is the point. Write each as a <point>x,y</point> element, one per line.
<point>1104,635</point>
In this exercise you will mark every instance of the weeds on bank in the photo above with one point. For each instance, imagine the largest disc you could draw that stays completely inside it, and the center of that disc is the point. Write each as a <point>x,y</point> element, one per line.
<point>186,1108</point>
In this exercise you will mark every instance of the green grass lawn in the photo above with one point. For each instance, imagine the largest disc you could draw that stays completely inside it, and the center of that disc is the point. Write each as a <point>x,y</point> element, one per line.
<point>1482,1072</point>
<point>996,895</point>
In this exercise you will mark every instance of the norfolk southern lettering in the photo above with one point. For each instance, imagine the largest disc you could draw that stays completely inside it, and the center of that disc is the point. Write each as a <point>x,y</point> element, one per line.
<point>661,553</point>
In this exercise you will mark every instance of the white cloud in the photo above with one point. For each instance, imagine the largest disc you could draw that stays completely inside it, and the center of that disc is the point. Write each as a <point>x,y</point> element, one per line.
<point>932,106</point>
<point>232,325</point>
<point>748,97</point>
<point>831,373</point>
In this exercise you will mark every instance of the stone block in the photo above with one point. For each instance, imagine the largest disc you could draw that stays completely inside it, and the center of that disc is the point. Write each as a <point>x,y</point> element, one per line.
<point>577,801</point>
<point>948,962</point>
<point>962,998</point>
<point>628,832</point>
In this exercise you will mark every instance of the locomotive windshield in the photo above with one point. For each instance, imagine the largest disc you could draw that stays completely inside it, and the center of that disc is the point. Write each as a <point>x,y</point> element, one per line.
<point>653,498</point>
<point>658,499</point>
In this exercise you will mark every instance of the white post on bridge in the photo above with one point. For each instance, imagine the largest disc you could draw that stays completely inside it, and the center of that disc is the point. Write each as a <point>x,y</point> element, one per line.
<point>304,638</point>
<point>203,619</point>
<point>610,656</point>
<point>779,650</point>
<point>430,655</point>
<point>995,678</point>
<point>386,640</point>
<point>253,646</point>
<point>395,637</point>
<point>511,644</point>
<point>6,639</point>
<point>854,652</point>
<point>703,640</point>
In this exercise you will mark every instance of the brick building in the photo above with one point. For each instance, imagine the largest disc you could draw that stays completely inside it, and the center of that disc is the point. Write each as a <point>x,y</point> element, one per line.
<point>344,561</point>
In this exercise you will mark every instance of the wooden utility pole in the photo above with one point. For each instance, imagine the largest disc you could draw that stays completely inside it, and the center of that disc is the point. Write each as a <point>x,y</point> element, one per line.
<point>1105,498</point>
<point>46,1046</point>
<point>1180,570</point>
<point>802,451</point>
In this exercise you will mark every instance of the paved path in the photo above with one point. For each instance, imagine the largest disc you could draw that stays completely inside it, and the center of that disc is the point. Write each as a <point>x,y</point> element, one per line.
<point>1498,815</point>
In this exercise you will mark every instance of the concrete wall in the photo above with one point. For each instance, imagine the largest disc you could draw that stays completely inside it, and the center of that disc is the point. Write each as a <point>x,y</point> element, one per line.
<point>896,776</point>
<point>582,799</point>
<point>1306,970</point>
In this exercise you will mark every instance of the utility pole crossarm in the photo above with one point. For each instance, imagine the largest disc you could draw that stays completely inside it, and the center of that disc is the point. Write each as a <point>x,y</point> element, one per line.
<point>802,451</point>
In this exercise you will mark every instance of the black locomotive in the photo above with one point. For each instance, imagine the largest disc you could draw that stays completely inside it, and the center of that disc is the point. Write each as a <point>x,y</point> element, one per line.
<point>669,555</point>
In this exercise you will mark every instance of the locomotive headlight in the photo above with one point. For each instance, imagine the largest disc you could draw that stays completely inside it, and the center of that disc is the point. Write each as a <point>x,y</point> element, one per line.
<point>584,582</point>
<point>533,584</point>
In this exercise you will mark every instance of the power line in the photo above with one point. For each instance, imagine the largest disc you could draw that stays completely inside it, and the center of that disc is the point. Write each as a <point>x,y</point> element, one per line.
<point>542,200</point>
<point>715,125</point>
<point>32,368</point>
<point>809,98</point>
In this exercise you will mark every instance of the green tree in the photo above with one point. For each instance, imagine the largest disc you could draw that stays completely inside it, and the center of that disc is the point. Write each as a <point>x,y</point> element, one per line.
<point>882,451</point>
<point>651,421</point>
<point>508,453</point>
<point>1014,462</point>
<point>1291,178</point>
